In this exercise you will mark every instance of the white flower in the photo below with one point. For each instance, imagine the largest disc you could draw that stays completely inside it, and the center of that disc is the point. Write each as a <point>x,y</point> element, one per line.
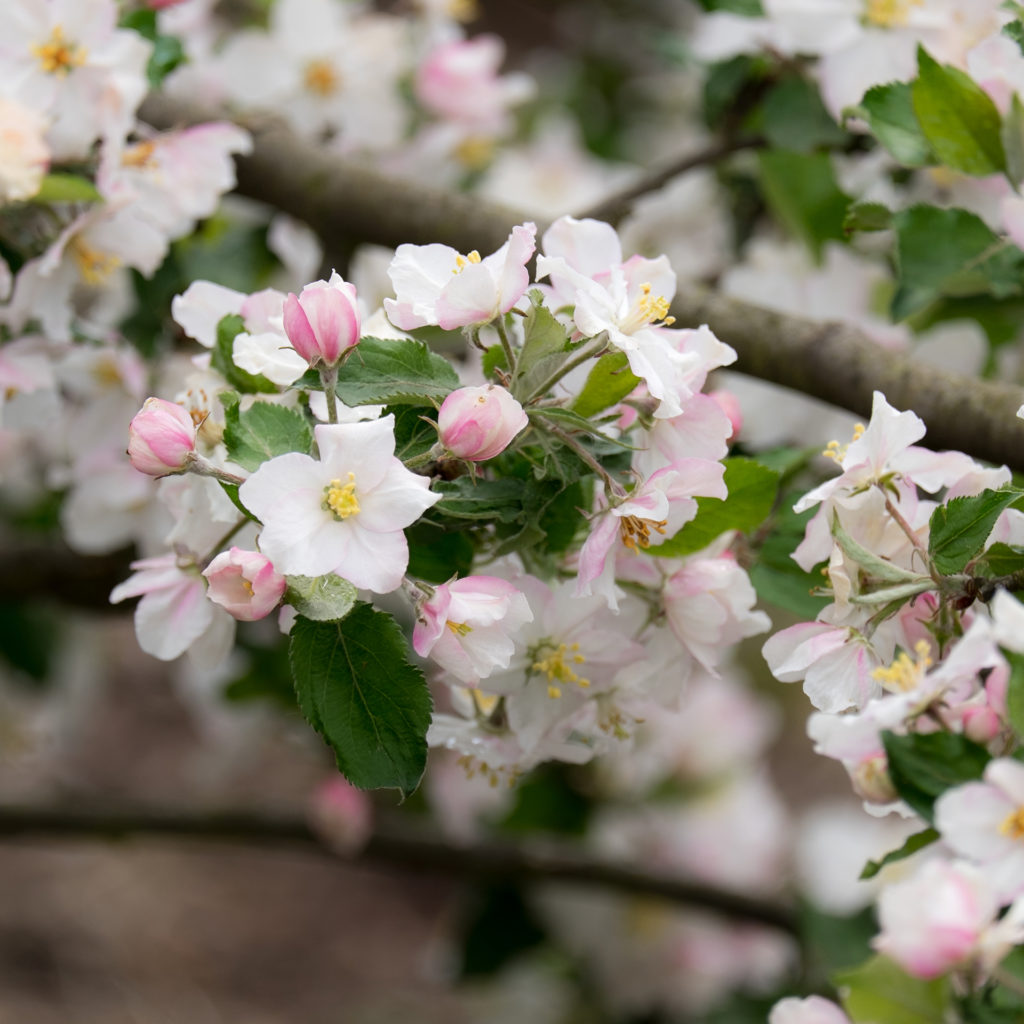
<point>344,513</point>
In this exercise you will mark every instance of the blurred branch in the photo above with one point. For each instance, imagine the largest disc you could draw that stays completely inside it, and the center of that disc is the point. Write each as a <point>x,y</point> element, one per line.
<point>54,571</point>
<point>831,361</point>
<point>397,844</point>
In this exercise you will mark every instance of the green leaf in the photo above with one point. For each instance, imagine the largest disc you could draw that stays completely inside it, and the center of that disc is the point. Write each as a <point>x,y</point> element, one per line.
<point>494,359</point>
<point>958,118</point>
<point>889,112</point>
<point>608,382</point>
<point>572,422</point>
<point>999,560</point>
<point>879,991</point>
<point>950,253</point>
<point>466,498</point>
<point>1015,31</point>
<point>357,689</point>
<point>262,432</point>
<point>1015,692</point>
<point>832,942</point>
<point>222,359</point>
<point>918,841</point>
<point>1013,140</point>
<point>752,490</point>
<point>793,117</point>
<point>777,579</point>
<point>168,53</point>
<point>415,432</point>
<point>545,347</point>
<point>801,190</point>
<point>436,555</point>
<point>747,8</point>
<point>326,598</point>
<point>867,217</point>
<point>958,530</point>
<point>66,188</point>
<point>393,372</point>
<point>923,766</point>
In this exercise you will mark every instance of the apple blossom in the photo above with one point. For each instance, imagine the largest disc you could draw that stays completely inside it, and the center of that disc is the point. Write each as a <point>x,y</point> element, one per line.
<point>812,1010</point>
<point>343,513</point>
<point>245,583</point>
<point>479,423</point>
<point>466,626</point>
<point>436,285</point>
<point>161,438</point>
<point>322,323</point>
<point>24,155</point>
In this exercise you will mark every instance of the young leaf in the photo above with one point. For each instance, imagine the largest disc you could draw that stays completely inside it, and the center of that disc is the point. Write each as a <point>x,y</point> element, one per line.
<point>66,188</point>
<point>357,689</point>
<point>923,766</point>
<point>879,990</point>
<point>545,347</point>
<point>950,253</point>
<point>918,841</point>
<point>867,217</point>
<point>321,598</point>
<point>466,498</point>
<point>222,359</point>
<point>608,382</point>
<point>793,117</point>
<point>958,118</point>
<point>958,530</point>
<point>1013,141</point>
<point>752,489</point>
<point>394,372</point>
<point>262,432</point>
<point>802,192</point>
<point>1015,692</point>
<point>998,560</point>
<point>889,112</point>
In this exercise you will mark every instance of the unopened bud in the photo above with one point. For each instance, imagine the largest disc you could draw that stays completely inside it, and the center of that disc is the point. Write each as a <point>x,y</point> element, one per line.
<point>161,438</point>
<point>245,583</point>
<point>322,323</point>
<point>341,815</point>
<point>478,423</point>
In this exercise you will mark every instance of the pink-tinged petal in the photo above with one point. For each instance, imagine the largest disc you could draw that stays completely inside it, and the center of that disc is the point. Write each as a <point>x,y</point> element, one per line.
<point>168,621</point>
<point>969,818</point>
<point>201,307</point>
<point>588,246</point>
<point>299,330</point>
<point>470,297</point>
<point>513,278</point>
<point>431,620</point>
<point>889,432</point>
<point>657,273</point>
<point>790,652</point>
<point>594,553</point>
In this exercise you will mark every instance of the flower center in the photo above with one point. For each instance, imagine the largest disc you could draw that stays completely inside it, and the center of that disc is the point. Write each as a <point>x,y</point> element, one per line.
<point>461,262</point>
<point>340,499</point>
<point>889,13</point>
<point>835,450</point>
<point>459,628</point>
<point>463,10</point>
<point>57,56</point>
<point>1013,825</point>
<point>556,663</point>
<point>321,78</point>
<point>475,152</point>
<point>905,673</point>
<point>647,310</point>
<point>94,265</point>
<point>138,155</point>
<point>636,532</point>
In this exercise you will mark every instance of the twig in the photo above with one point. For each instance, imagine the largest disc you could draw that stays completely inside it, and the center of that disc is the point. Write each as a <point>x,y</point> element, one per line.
<point>396,844</point>
<point>831,361</point>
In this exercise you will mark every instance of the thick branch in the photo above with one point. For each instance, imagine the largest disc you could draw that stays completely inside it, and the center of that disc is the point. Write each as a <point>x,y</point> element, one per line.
<point>395,844</point>
<point>830,361</point>
<point>54,571</point>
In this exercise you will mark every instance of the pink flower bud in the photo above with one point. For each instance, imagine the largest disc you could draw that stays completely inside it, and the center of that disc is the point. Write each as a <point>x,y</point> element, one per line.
<point>245,583</point>
<point>323,322</point>
<point>161,438</point>
<point>478,423</point>
<point>341,815</point>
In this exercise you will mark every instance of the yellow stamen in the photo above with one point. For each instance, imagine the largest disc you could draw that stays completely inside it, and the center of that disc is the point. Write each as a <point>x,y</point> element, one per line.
<point>459,628</point>
<point>461,262</point>
<point>475,152</point>
<point>463,10</point>
<point>905,673</point>
<point>493,774</point>
<point>889,13</point>
<point>647,311</point>
<point>636,532</point>
<point>321,78</point>
<point>1013,825</point>
<point>94,265</point>
<point>341,499</point>
<point>138,155</point>
<point>557,666</point>
<point>835,450</point>
<point>57,56</point>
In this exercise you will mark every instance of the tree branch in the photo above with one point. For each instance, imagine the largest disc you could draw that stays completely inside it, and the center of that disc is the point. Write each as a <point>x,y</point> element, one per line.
<point>831,361</point>
<point>54,571</point>
<point>398,844</point>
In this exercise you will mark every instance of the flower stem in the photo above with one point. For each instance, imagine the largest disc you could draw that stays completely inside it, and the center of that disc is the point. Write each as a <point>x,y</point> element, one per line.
<point>220,542</point>
<point>611,485</point>
<point>506,347</point>
<point>329,379</point>
<point>600,343</point>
